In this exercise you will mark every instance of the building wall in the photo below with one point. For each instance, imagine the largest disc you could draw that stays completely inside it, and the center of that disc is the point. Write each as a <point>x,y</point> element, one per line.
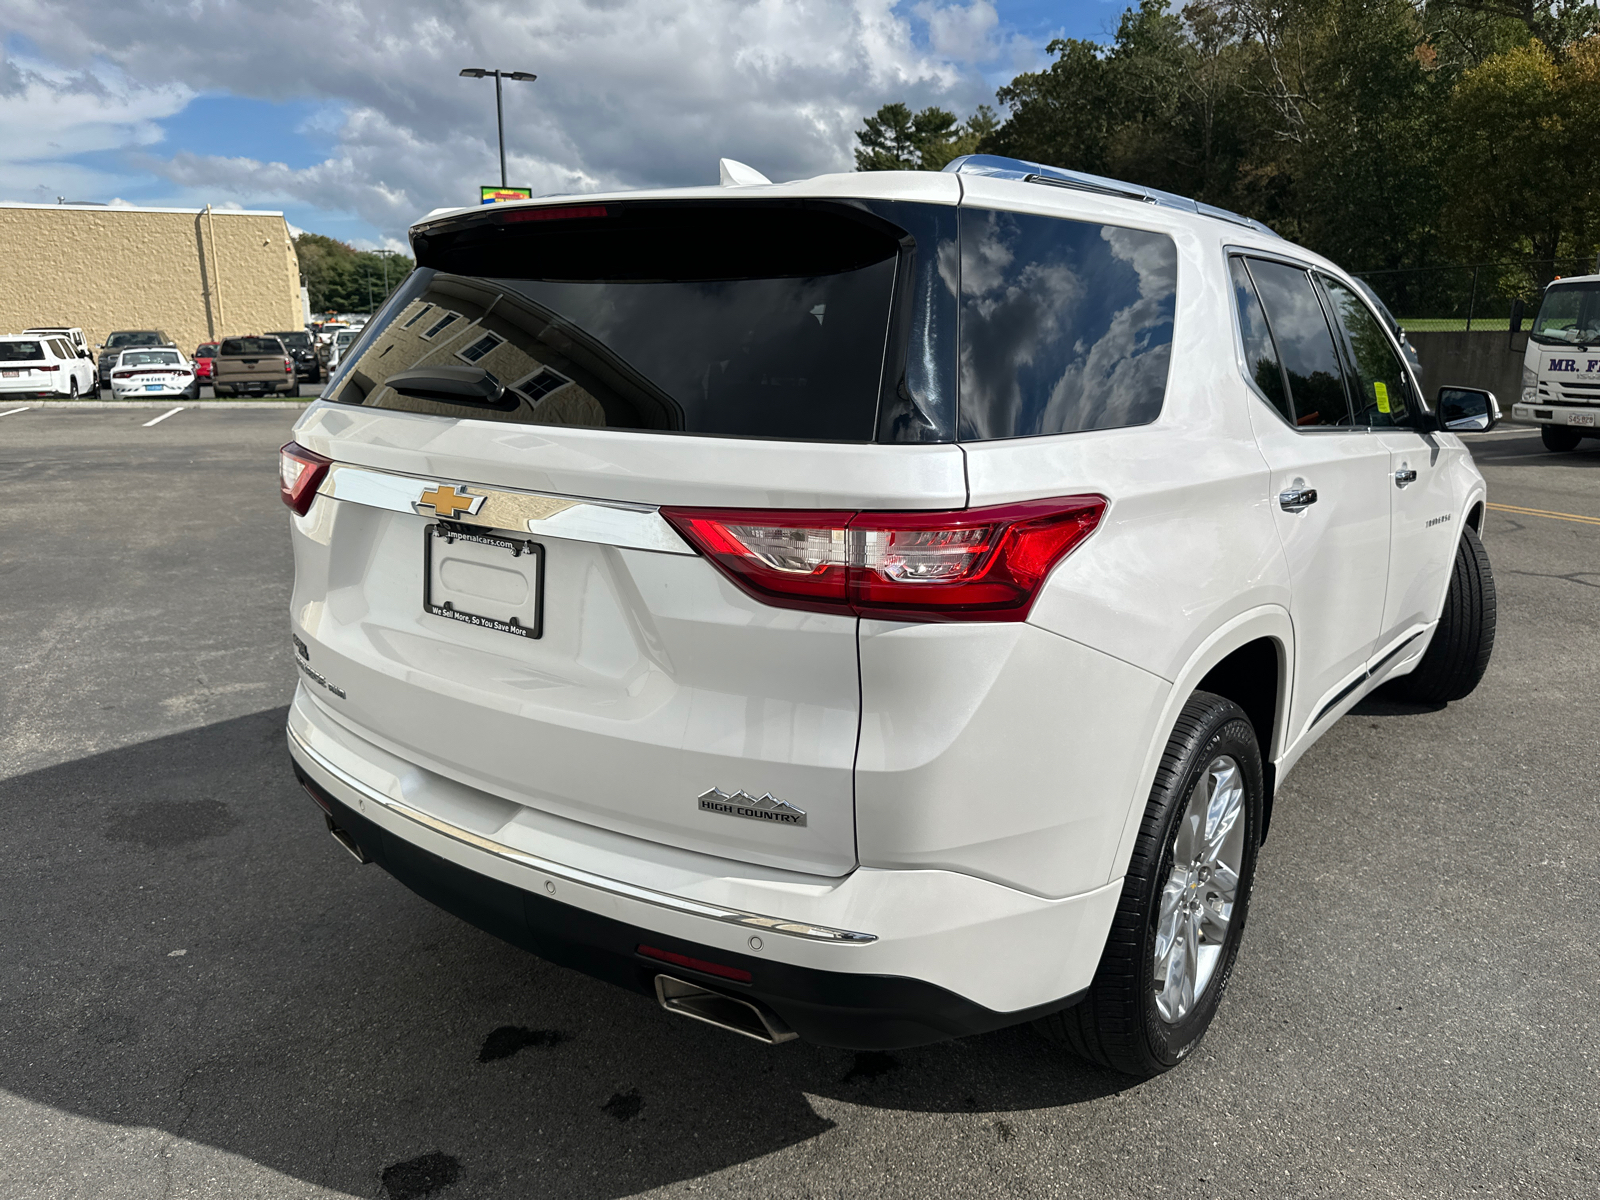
<point>196,274</point>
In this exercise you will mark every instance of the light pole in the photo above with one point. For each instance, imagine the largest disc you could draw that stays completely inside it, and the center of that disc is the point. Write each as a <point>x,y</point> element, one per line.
<point>386,255</point>
<point>499,107</point>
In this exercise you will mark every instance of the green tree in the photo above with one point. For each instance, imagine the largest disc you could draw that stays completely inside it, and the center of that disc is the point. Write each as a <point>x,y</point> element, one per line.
<point>340,278</point>
<point>1519,175</point>
<point>897,139</point>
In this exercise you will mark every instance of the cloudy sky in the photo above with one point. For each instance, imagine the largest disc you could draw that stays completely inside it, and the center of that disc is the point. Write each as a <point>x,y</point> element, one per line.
<point>349,115</point>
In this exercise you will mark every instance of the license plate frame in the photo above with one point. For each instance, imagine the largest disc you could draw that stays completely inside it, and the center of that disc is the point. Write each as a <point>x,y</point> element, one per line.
<point>10,374</point>
<point>516,547</point>
<point>1586,419</point>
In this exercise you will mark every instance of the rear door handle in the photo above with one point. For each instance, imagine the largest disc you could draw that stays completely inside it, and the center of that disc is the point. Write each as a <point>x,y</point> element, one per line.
<point>1297,499</point>
<point>1404,476</point>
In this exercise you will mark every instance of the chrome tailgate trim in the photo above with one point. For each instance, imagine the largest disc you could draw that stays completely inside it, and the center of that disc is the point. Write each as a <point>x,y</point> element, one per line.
<point>606,522</point>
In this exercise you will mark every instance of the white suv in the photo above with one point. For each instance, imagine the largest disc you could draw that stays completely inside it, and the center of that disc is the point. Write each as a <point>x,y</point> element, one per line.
<point>875,608</point>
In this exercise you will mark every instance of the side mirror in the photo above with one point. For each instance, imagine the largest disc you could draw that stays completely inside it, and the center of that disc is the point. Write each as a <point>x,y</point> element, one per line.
<point>1516,316</point>
<point>1467,410</point>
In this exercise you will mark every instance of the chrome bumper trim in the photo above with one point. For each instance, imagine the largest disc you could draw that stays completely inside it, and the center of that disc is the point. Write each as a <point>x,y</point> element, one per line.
<point>606,522</point>
<point>556,871</point>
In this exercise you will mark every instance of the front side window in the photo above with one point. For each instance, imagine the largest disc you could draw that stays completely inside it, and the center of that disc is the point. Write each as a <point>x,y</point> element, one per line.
<point>1305,344</point>
<point>1376,375</point>
<point>1569,314</point>
<point>1064,325</point>
<point>1260,355</point>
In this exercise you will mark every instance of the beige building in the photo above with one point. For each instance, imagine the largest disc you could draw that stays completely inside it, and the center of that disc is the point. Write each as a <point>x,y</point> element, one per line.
<point>198,274</point>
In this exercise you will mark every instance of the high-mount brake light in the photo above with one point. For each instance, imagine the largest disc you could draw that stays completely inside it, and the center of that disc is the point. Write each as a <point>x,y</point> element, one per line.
<point>976,564</point>
<point>567,212</point>
<point>299,474</point>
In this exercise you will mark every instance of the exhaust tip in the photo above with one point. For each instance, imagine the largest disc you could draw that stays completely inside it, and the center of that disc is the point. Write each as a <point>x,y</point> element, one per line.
<point>345,840</point>
<point>726,1012</point>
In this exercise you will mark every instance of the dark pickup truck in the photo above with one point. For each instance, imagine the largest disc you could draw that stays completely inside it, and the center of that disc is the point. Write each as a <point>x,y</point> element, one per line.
<point>307,366</point>
<point>253,366</point>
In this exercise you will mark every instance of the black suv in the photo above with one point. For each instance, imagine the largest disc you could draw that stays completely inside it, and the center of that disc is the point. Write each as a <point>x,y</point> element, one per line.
<point>126,339</point>
<point>307,366</point>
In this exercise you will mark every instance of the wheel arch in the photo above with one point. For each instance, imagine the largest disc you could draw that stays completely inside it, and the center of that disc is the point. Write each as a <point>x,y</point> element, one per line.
<point>1249,659</point>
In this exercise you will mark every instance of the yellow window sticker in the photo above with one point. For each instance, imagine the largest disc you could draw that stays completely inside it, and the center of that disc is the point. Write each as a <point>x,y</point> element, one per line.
<point>1383,396</point>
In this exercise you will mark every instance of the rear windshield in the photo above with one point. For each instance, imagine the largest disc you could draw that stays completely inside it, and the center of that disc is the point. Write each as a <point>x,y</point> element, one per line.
<point>118,340</point>
<point>817,320</point>
<point>295,341</point>
<point>755,321</point>
<point>148,358</point>
<point>251,345</point>
<point>206,351</point>
<point>1570,314</point>
<point>20,351</point>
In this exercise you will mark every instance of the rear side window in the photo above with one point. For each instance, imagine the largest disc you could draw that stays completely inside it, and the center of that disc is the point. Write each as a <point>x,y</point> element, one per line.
<point>1065,325</point>
<point>767,321</point>
<point>1305,343</point>
<point>251,345</point>
<point>1260,355</point>
<point>20,351</point>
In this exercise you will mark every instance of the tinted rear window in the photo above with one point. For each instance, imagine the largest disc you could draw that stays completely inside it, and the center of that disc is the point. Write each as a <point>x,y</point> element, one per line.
<point>251,345</point>
<point>118,340</point>
<point>148,358</point>
<point>20,351</point>
<point>1065,325</point>
<point>206,351</point>
<point>755,320</point>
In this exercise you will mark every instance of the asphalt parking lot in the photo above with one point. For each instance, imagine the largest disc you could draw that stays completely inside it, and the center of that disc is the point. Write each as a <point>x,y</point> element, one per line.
<point>203,995</point>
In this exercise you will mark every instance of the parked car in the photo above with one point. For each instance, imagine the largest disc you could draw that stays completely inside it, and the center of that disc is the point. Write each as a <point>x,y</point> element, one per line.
<point>252,366</point>
<point>873,609</point>
<point>39,367</point>
<point>204,359</point>
<point>153,373</point>
<point>127,339</point>
<point>342,340</point>
<point>307,364</point>
<point>72,335</point>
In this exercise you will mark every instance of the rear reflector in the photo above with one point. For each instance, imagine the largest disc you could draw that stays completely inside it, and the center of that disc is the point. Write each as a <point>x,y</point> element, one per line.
<point>976,564</point>
<point>299,474</point>
<point>695,964</point>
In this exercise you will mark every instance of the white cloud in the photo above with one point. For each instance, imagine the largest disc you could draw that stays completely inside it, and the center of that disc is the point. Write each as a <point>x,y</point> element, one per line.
<point>630,92</point>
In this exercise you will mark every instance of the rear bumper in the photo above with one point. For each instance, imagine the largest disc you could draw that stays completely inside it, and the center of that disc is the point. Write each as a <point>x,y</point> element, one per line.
<point>873,960</point>
<point>831,1008</point>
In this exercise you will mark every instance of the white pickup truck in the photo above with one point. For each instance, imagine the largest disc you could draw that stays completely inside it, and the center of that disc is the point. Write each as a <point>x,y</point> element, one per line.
<point>1561,368</point>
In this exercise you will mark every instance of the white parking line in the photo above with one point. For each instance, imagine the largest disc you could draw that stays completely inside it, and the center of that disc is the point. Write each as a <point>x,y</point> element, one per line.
<point>162,417</point>
<point>11,412</point>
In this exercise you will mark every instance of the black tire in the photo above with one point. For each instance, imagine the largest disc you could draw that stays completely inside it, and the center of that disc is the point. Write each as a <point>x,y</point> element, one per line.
<point>1559,438</point>
<point>221,393</point>
<point>1118,1024</point>
<point>1456,659</point>
<point>72,388</point>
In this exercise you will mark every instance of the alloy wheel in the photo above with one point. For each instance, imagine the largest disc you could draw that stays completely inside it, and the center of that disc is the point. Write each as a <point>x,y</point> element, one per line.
<point>1197,900</point>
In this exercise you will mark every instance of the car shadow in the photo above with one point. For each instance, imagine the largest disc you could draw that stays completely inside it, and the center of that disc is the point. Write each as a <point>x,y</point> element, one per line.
<point>189,951</point>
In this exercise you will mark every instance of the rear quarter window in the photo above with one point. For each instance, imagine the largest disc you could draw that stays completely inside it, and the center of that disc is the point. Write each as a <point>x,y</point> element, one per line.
<point>1064,325</point>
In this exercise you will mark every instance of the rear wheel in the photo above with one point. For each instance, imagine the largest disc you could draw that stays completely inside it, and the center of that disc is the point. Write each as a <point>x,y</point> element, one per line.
<point>1559,437</point>
<point>1458,656</point>
<point>72,388</point>
<point>1177,928</point>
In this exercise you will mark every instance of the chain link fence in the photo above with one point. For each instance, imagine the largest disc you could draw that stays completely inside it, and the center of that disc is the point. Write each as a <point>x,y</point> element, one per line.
<point>1473,295</point>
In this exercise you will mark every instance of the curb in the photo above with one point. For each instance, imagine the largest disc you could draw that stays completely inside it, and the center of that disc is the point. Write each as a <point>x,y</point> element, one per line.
<point>44,405</point>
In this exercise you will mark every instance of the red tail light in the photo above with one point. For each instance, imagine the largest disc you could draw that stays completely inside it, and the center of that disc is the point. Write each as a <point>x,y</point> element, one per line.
<point>976,564</point>
<point>299,474</point>
<point>288,365</point>
<point>570,212</point>
<point>695,964</point>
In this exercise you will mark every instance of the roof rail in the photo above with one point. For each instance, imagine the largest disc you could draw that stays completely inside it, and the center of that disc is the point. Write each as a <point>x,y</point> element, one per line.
<point>998,167</point>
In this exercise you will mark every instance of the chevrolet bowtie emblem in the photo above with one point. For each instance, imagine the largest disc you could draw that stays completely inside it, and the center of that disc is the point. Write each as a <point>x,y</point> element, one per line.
<point>743,804</point>
<point>449,501</point>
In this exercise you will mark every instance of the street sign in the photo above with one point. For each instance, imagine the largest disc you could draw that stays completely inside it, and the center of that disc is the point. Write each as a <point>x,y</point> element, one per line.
<point>496,195</point>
